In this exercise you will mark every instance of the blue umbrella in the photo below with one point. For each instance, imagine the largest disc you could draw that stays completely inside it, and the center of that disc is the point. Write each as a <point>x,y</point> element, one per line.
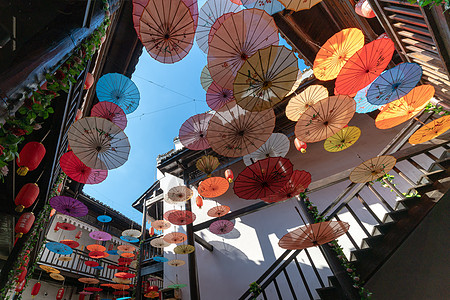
<point>129,239</point>
<point>112,252</point>
<point>160,259</point>
<point>98,268</point>
<point>59,248</point>
<point>123,298</point>
<point>362,105</point>
<point>119,89</point>
<point>104,218</point>
<point>271,7</point>
<point>394,83</point>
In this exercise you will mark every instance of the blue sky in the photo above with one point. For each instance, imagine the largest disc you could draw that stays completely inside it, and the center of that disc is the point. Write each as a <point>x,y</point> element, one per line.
<point>170,94</point>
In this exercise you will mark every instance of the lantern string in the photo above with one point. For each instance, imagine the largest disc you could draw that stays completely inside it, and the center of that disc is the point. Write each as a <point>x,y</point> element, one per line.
<point>45,136</point>
<point>40,175</point>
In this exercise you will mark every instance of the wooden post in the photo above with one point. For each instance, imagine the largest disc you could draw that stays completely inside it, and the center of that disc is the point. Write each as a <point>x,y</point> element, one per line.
<point>141,249</point>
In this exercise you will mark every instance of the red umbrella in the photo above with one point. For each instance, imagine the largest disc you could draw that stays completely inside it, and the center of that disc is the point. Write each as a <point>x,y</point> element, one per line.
<point>93,289</point>
<point>124,275</point>
<point>91,263</point>
<point>110,111</point>
<point>221,227</point>
<point>112,267</point>
<point>98,254</point>
<point>181,217</point>
<point>364,66</point>
<point>66,226</point>
<point>193,132</point>
<point>297,184</point>
<point>122,269</point>
<point>78,171</point>
<point>263,178</point>
<point>70,243</point>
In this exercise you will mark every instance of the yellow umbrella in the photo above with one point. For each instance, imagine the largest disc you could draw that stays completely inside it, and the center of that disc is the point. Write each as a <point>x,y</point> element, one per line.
<point>343,139</point>
<point>57,276</point>
<point>49,269</point>
<point>65,258</point>
<point>176,262</point>
<point>207,164</point>
<point>297,5</point>
<point>372,169</point>
<point>184,249</point>
<point>300,103</point>
<point>430,130</point>
<point>265,78</point>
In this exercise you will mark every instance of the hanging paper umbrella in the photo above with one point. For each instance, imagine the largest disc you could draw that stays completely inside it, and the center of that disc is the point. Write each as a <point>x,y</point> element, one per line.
<point>93,289</point>
<point>97,254</point>
<point>78,171</point>
<point>271,7</point>
<point>177,286</point>
<point>120,286</point>
<point>265,78</point>
<point>343,139</point>
<point>180,193</point>
<point>110,111</point>
<point>64,258</point>
<point>112,252</point>
<point>313,235</point>
<point>207,164</point>
<point>298,183</point>
<point>121,280</point>
<point>127,255</point>
<point>160,259</point>
<point>337,50</point>
<point>372,169</point>
<point>123,269</point>
<point>152,294</point>
<point>129,239</point>
<point>175,237</point>
<point>181,217</point>
<point>300,103</point>
<point>364,66</point>
<point>193,132</point>
<point>297,5</point>
<point>126,248</point>
<point>209,13</point>
<point>430,130</point>
<point>96,247</point>
<point>118,89</point>
<point>159,243</point>
<point>70,243</point>
<point>91,263</point>
<point>49,269</point>
<point>299,80</point>
<point>132,232</point>
<point>405,108</point>
<point>325,118</point>
<point>167,30</point>
<point>263,178</point>
<point>217,96</point>
<point>362,105</point>
<point>234,131</point>
<point>58,248</point>
<point>104,219</point>
<point>221,227</point>
<point>205,78</point>
<point>184,249</point>
<point>88,280</point>
<point>68,206</point>
<point>112,267</point>
<point>277,145</point>
<point>99,143</point>
<point>394,83</point>
<point>217,25</point>
<point>218,211</point>
<point>161,224</point>
<point>213,187</point>
<point>176,263</point>
<point>100,235</point>
<point>56,276</point>
<point>66,226</point>
<point>238,38</point>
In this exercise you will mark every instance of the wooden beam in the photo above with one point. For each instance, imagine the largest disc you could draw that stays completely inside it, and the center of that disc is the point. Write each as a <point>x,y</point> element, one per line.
<point>204,243</point>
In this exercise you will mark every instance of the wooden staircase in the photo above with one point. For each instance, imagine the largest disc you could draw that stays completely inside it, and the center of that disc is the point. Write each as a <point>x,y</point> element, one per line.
<point>419,36</point>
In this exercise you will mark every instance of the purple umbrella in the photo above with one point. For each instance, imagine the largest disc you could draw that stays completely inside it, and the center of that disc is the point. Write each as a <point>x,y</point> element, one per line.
<point>221,227</point>
<point>85,293</point>
<point>100,235</point>
<point>69,206</point>
<point>193,132</point>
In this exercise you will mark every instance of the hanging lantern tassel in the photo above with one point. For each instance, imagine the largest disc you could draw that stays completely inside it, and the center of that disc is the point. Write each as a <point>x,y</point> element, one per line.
<point>79,234</point>
<point>300,145</point>
<point>36,289</point>
<point>20,286</point>
<point>22,274</point>
<point>199,201</point>
<point>26,196</point>
<point>229,175</point>
<point>24,224</point>
<point>60,294</point>
<point>30,157</point>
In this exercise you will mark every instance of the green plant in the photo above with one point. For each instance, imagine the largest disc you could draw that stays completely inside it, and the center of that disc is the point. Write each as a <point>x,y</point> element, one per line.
<point>437,109</point>
<point>424,3</point>
<point>255,289</point>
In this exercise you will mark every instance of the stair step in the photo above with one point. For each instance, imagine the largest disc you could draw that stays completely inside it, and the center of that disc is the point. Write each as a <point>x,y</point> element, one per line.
<point>423,54</point>
<point>420,45</point>
<point>410,20</point>
<point>361,254</point>
<point>395,215</point>
<point>432,176</point>
<point>383,228</point>
<point>407,203</point>
<point>417,37</point>
<point>412,28</point>
<point>405,11</point>
<point>330,293</point>
<point>332,281</point>
<point>401,2</point>
<point>445,154</point>
<point>422,189</point>
<point>372,242</point>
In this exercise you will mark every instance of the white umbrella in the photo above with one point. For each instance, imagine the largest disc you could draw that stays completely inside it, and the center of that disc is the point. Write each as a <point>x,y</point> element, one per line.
<point>277,145</point>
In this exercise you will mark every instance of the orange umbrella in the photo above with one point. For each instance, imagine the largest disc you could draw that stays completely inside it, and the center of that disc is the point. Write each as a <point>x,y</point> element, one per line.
<point>161,224</point>
<point>207,164</point>
<point>88,280</point>
<point>430,130</point>
<point>372,169</point>
<point>265,78</point>
<point>218,211</point>
<point>300,103</point>
<point>213,187</point>
<point>364,66</point>
<point>127,255</point>
<point>175,237</point>
<point>313,235</point>
<point>96,247</point>
<point>235,132</point>
<point>167,30</point>
<point>297,5</point>
<point>98,254</point>
<point>298,183</point>
<point>238,38</point>
<point>325,118</point>
<point>49,269</point>
<point>405,108</point>
<point>120,286</point>
<point>126,248</point>
<point>337,50</point>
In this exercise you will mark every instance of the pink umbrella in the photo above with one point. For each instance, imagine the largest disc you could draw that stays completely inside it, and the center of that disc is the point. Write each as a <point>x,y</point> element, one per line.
<point>69,206</point>
<point>110,111</point>
<point>217,96</point>
<point>217,24</point>
<point>193,132</point>
<point>78,171</point>
<point>181,217</point>
<point>221,227</point>
<point>100,235</point>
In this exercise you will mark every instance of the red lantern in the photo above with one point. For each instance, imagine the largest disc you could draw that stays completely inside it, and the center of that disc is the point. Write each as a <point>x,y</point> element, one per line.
<point>24,224</point>
<point>30,157</point>
<point>36,288</point>
<point>26,196</point>
<point>229,175</point>
<point>89,81</point>
<point>20,286</point>
<point>199,201</point>
<point>81,297</point>
<point>364,9</point>
<point>97,297</point>
<point>300,145</point>
<point>59,188</point>
<point>111,246</point>
<point>153,288</point>
<point>22,274</point>
<point>52,212</point>
<point>152,231</point>
<point>26,261</point>
<point>78,235</point>
<point>60,294</point>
